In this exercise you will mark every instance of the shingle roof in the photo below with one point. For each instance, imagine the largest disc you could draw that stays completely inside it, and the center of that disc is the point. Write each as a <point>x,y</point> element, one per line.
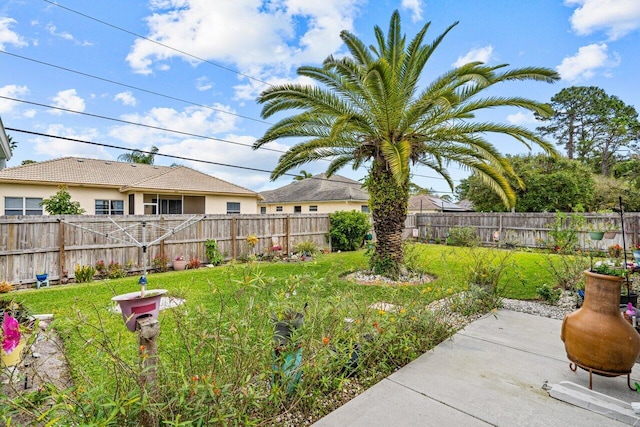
<point>124,176</point>
<point>318,188</point>
<point>430,203</point>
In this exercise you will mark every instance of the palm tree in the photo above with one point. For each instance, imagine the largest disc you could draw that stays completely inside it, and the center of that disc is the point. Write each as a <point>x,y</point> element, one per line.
<point>369,109</point>
<point>302,175</point>
<point>137,156</point>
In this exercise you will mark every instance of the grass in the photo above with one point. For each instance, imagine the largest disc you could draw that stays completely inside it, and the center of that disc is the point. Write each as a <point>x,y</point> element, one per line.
<point>216,351</point>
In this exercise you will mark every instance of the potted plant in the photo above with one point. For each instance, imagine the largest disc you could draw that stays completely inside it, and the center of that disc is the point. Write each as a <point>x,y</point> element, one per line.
<point>17,324</point>
<point>179,263</point>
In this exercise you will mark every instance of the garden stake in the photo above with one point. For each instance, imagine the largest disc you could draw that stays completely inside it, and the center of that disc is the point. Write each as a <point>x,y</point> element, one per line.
<point>624,248</point>
<point>148,330</point>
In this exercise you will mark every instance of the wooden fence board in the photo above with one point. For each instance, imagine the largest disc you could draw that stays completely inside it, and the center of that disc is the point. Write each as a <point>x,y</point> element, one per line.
<point>31,244</point>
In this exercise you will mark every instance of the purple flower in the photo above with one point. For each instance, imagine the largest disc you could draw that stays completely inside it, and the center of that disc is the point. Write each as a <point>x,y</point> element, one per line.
<point>10,333</point>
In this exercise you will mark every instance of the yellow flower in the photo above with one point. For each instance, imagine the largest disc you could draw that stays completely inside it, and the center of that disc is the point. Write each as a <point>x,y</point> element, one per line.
<point>382,312</point>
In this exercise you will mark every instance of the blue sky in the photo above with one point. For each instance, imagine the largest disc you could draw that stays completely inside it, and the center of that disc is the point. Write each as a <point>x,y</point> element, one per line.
<point>214,57</point>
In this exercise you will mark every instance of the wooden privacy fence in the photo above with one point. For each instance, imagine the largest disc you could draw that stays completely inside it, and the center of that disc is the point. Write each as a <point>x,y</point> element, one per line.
<point>523,229</point>
<point>30,245</point>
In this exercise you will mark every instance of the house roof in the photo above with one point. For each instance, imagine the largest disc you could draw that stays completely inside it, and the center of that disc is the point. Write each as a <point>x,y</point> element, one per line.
<point>318,188</point>
<point>75,171</point>
<point>427,202</point>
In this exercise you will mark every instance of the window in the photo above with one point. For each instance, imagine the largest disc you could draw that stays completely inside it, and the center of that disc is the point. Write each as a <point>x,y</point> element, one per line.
<point>22,206</point>
<point>313,208</point>
<point>233,208</point>
<point>297,209</point>
<point>278,208</point>
<point>109,207</point>
<point>263,209</point>
<point>170,206</point>
<point>132,204</point>
<point>364,208</point>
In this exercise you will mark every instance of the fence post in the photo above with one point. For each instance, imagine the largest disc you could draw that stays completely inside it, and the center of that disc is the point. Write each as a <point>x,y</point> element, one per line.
<point>61,254</point>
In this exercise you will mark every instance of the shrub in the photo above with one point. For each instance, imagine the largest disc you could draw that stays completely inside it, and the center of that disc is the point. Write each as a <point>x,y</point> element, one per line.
<point>347,230</point>
<point>489,266</point>
<point>306,247</point>
<point>565,231</point>
<point>549,294</point>
<point>101,268</point>
<point>115,270</point>
<point>568,270</point>
<point>212,252</point>
<point>160,263</point>
<point>5,287</point>
<point>463,236</point>
<point>194,263</point>
<point>84,273</point>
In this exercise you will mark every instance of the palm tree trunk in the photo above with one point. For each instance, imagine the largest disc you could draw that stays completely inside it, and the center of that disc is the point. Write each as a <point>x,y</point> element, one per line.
<point>388,203</point>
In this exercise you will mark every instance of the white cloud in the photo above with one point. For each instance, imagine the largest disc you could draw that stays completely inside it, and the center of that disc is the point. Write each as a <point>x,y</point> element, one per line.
<point>52,29</point>
<point>616,17</point>
<point>203,84</point>
<point>61,147</point>
<point>126,98</point>
<point>192,120</point>
<point>68,99</point>
<point>415,6</point>
<point>522,118</point>
<point>10,37</point>
<point>11,91</point>
<point>228,154</point>
<point>481,54</point>
<point>29,114</point>
<point>583,64</point>
<point>268,42</point>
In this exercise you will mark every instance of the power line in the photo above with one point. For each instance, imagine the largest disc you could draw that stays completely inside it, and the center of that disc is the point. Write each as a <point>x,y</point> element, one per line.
<point>158,43</point>
<point>160,129</point>
<point>138,124</point>
<point>132,87</point>
<point>100,144</point>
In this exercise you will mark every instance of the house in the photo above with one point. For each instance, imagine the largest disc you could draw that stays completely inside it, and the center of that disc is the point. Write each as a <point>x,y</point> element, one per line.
<point>317,194</point>
<point>424,203</point>
<point>104,187</point>
<point>5,148</point>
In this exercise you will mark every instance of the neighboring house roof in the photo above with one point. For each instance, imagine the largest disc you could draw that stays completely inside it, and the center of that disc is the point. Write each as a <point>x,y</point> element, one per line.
<point>124,176</point>
<point>318,188</point>
<point>467,204</point>
<point>430,203</point>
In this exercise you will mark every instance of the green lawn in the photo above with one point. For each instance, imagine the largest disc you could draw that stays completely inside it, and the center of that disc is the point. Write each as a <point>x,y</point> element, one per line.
<point>216,350</point>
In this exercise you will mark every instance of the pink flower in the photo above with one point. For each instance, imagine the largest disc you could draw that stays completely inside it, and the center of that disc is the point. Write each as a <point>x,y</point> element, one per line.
<point>10,333</point>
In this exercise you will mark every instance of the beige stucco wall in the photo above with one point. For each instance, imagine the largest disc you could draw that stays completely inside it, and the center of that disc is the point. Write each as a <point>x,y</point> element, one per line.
<point>218,204</point>
<point>84,195</point>
<point>323,207</point>
<point>87,196</point>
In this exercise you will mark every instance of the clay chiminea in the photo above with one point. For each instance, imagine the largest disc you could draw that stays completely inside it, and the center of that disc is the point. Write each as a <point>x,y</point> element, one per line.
<point>596,337</point>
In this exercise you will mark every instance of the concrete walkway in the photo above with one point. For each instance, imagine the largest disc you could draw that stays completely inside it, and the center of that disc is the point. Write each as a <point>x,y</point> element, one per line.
<point>490,373</point>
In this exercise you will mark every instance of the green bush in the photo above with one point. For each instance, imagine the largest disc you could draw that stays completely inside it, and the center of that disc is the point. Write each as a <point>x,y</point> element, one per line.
<point>160,263</point>
<point>306,247</point>
<point>549,294</point>
<point>212,252</point>
<point>463,236</point>
<point>115,270</point>
<point>347,230</point>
